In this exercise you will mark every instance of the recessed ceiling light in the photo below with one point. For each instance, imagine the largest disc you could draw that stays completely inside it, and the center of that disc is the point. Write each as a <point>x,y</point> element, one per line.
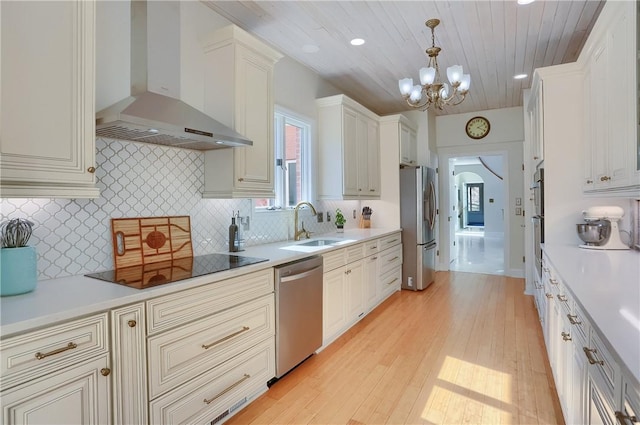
<point>525,1</point>
<point>357,42</point>
<point>520,76</point>
<point>310,48</point>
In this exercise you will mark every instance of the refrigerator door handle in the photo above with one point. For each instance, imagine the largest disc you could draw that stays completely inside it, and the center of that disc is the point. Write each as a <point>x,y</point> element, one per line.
<point>432,204</point>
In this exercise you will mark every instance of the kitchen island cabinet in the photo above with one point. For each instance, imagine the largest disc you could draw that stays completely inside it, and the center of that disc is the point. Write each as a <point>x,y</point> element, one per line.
<point>47,136</point>
<point>239,92</point>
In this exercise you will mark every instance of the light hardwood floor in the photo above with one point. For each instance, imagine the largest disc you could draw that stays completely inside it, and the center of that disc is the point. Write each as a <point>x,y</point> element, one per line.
<point>468,350</point>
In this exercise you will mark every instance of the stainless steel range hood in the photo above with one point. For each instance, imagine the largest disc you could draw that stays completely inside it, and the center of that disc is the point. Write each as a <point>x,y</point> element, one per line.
<point>149,117</point>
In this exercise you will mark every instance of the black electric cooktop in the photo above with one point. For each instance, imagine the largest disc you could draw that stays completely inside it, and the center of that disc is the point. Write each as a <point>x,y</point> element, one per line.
<point>146,276</point>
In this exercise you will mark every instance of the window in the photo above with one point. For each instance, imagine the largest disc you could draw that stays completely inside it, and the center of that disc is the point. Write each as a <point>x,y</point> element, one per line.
<point>474,197</point>
<point>292,170</point>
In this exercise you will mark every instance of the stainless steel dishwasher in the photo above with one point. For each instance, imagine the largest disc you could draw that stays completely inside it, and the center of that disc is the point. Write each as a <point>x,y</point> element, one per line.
<point>298,312</point>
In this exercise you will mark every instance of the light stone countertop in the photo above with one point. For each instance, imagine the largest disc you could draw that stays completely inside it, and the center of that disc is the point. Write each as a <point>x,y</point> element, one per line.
<point>606,284</point>
<point>58,300</point>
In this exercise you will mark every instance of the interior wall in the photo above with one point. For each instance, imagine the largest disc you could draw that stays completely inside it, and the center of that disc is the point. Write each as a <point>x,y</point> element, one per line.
<point>505,138</point>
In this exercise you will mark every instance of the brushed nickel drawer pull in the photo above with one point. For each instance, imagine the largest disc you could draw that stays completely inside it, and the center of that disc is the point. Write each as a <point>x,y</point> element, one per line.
<point>389,283</point>
<point>393,259</point>
<point>374,258</point>
<point>588,352</point>
<point>70,346</point>
<point>392,241</point>
<point>553,281</point>
<point>374,247</point>
<point>563,298</point>
<point>372,190</point>
<point>226,338</point>
<point>226,390</point>
<point>622,418</point>
<point>572,319</point>
<point>549,295</point>
<point>132,323</point>
<point>566,336</point>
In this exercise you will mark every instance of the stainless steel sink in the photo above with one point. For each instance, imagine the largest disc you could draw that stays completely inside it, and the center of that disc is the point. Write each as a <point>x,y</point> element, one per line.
<point>319,242</point>
<point>314,245</point>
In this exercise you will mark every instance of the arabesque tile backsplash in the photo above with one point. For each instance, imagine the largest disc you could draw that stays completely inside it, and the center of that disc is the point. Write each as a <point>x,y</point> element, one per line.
<point>72,236</point>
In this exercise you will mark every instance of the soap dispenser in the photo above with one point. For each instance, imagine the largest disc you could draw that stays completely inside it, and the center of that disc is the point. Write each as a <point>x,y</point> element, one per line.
<point>233,235</point>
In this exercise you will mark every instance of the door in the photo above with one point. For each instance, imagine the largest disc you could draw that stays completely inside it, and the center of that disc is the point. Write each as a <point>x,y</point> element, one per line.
<point>475,204</point>
<point>77,395</point>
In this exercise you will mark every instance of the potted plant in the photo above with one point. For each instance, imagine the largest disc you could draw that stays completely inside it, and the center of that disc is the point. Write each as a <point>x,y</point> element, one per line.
<point>340,220</point>
<point>19,272</point>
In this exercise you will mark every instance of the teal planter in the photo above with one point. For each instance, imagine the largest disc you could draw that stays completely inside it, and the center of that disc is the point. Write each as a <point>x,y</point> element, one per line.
<point>18,270</point>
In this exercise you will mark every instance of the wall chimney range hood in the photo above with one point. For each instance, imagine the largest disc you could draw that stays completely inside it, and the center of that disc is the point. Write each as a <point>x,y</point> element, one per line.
<point>149,117</point>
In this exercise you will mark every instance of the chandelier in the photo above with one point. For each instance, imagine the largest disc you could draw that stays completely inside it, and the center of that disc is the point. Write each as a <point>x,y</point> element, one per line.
<point>431,92</point>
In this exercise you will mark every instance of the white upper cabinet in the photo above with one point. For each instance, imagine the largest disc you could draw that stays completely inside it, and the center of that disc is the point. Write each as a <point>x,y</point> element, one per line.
<point>611,117</point>
<point>536,121</point>
<point>349,150</point>
<point>47,120</point>
<point>239,93</point>
<point>400,131</point>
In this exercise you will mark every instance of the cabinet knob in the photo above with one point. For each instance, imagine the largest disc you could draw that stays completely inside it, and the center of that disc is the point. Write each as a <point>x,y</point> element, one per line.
<point>589,181</point>
<point>359,190</point>
<point>91,170</point>
<point>622,418</point>
<point>132,323</point>
<point>372,190</point>
<point>105,371</point>
<point>605,178</point>
<point>240,179</point>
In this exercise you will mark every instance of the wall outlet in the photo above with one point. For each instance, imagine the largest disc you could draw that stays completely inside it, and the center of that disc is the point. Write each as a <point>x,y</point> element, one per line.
<point>245,223</point>
<point>410,282</point>
<point>320,216</point>
<point>328,216</point>
<point>354,213</point>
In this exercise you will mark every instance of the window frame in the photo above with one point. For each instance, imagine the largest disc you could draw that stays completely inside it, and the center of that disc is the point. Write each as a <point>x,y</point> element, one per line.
<point>281,117</point>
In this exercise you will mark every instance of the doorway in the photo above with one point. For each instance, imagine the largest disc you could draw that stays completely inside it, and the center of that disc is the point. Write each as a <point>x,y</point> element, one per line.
<point>477,224</point>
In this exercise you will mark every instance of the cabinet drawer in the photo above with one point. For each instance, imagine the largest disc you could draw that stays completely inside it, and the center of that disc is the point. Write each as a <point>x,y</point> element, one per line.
<point>390,282</point>
<point>332,260</point>
<point>371,247</point>
<point>579,322</point>
<point>205,398</point>
<point>30,355</point>
<point>183,307</point>
<point>354,253</point>
<point>186,352</point>
<point>390,259</point>
<point>603,361</point>
<point>390,240</point>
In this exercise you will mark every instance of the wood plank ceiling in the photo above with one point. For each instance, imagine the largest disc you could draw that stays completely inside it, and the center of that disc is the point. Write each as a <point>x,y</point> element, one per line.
<point>492,40</point>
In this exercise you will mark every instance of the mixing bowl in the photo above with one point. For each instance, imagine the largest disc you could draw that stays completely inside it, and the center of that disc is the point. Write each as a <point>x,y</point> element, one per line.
<point>595,232</point>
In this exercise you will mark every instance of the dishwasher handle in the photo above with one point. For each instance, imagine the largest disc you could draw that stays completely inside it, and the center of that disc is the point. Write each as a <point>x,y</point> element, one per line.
<point>300,275</point>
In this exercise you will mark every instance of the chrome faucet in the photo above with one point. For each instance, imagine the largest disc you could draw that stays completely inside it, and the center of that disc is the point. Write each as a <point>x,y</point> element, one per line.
<point>298,233</point>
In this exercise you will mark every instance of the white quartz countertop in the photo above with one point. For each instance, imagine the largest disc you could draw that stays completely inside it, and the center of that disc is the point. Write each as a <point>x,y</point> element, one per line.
<point>65,298</point>
<point>607,286</point>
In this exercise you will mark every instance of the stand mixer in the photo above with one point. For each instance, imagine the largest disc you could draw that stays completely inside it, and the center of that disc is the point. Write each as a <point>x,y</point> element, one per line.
<point>604,215</point>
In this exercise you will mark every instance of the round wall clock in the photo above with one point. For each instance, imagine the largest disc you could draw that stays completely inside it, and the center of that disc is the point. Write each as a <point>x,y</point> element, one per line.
<point>477,127</point>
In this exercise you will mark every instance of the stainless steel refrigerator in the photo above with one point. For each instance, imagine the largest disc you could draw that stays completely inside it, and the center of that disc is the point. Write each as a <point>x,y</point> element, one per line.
<point>418,222</point>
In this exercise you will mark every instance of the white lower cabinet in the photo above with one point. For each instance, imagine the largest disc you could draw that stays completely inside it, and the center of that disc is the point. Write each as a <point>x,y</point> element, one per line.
<point>219,392</point>
<point>210,349</point>
<point>592,386</point>
<point>75,395</point>
<point>356,279</point>
<point>129,377</point>
<point>59,374</point>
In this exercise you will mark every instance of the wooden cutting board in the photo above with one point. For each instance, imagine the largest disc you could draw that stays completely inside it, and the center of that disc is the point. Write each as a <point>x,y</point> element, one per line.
<point>147,240</point>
